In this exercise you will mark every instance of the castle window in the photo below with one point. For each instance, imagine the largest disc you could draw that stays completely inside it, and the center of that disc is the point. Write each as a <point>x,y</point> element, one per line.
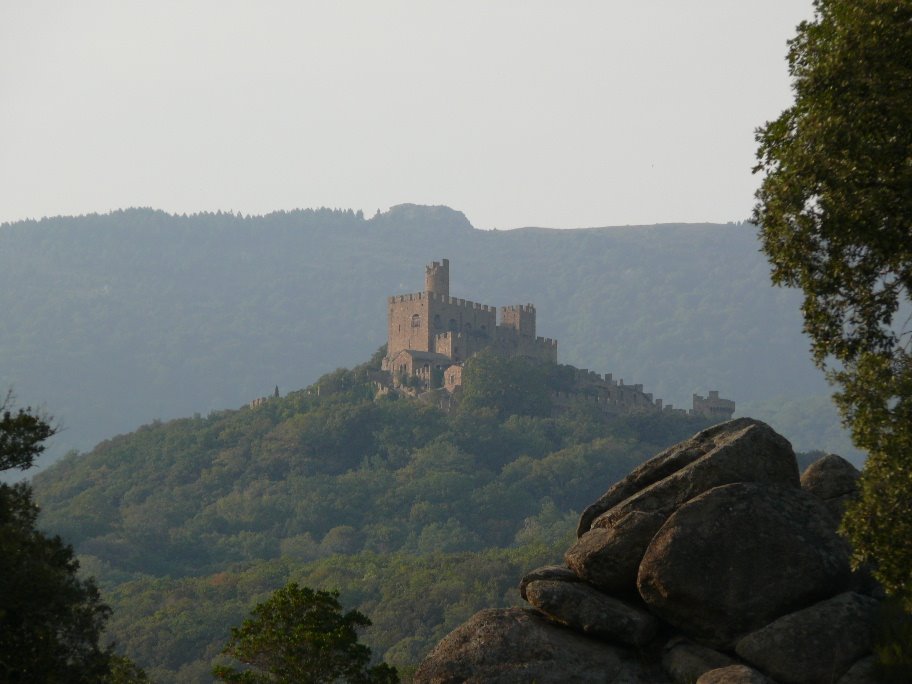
<point>437,323</point>
<point>454,326</point>
<point>416,321</point>
<point>468,327</point>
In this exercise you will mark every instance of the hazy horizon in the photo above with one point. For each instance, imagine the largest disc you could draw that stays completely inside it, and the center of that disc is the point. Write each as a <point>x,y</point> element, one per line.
<point>516,114</point>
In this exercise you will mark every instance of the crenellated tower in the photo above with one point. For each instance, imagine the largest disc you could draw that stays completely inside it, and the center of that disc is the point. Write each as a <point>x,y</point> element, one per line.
<point>520,318</point>
<point>437,277</point>
<point>429,331</point>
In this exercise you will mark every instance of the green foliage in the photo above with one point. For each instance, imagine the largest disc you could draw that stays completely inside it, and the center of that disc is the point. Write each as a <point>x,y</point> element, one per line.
<point>177,626</point>
<point>507,385</point>
<point>420,518</point>
<point>301,635</point>
<point>834,210</point>
<point>50,619</point>
<point>893,643</point>
<point>124,671</point>
<point>22,435</point>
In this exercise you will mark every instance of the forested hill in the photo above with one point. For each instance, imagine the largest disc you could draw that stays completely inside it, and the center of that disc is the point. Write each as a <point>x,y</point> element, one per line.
<point>114,320</point>
<point>419,517</point>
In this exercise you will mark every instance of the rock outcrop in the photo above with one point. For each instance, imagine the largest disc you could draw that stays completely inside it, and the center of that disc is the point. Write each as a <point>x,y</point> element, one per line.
<point>709,570</point>
<point>833,480</point>
<point>518,646</point>
<point>815,643</point>
<point>711,562</point>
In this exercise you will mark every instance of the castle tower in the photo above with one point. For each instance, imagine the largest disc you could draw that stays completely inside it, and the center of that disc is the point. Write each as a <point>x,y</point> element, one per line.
<point>437,278</point>
<point>520,318</point>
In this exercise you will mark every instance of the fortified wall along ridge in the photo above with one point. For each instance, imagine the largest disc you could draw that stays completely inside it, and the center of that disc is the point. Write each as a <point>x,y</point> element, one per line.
<point>431,335</point>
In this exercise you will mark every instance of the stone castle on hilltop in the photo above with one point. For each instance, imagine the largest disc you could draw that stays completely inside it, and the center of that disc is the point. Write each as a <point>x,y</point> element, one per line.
<point>430,331</point>
<point>431,335</point>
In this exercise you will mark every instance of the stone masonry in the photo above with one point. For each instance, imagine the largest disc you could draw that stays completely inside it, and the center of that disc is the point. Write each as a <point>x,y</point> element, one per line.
<point>432,334</point>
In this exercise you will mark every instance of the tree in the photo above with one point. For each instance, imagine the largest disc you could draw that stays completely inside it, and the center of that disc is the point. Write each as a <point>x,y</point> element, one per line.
<point>22,435</point>
<point>301,635</point>
<point>834,212</point>
<point>508,385</point>
<point>50,619</point>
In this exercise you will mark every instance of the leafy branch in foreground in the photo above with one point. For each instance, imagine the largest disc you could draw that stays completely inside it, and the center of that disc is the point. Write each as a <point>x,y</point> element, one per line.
<point>301,635</point>
<point>835,217</point>
<point>51,620</point>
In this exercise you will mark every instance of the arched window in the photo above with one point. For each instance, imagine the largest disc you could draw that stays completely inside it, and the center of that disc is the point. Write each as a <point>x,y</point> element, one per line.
<point>437,323</point>
<point>454,326</point>
<point>468,327</point>
<point>416,321</point>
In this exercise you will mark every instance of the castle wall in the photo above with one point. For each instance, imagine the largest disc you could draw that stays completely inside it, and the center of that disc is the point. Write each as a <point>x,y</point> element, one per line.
<point>431,331</point>
<point>452,378</point>
<point>520,317</point>
<point>458,346</point>
<point>408,323</point>
<point>416,319</point>
<point>509,342</point>
<point>454,315</point>
<point>713,406</point>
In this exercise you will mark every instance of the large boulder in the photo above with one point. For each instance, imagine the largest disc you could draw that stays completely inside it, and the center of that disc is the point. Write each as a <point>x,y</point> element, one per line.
<point>741,450</point>
<point>588,610</point>
<point>715,542</point>
<point>516,645</point>
<point>816,644</point>
<point>547,572</point>
<point>833,480</point>
<point>685,661</point>
<point>739,556</point>
<point>609,557</point>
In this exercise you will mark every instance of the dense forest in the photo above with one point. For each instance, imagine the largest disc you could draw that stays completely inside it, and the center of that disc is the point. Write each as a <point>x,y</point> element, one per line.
<point>112,321</point>
<point>419,517</point>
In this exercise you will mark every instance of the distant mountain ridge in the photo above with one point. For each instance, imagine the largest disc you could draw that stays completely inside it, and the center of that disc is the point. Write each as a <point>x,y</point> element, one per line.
<point>113,320</point>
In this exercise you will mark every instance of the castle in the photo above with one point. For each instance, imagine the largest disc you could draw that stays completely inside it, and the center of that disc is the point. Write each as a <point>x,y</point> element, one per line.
<point>431,334</point>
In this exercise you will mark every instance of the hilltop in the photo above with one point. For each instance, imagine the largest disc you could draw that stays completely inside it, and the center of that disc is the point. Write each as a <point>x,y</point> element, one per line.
<point>420,516</point>
<point>114,320</point>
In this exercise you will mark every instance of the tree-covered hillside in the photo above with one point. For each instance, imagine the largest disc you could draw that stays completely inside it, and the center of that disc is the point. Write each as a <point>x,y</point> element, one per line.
<point>420,517</point>
<point>115,320</point>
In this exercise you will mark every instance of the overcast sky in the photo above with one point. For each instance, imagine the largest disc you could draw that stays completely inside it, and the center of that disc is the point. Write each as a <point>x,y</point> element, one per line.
<point>560,114</point>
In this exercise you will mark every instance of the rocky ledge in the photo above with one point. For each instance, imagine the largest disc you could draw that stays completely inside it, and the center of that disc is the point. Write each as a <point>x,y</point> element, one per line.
<point>711,562</point>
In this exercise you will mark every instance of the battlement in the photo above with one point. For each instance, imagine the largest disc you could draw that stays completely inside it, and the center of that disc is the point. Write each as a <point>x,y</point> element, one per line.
<point>432,331</point>
<point>442,299</point>
<point>412,297</point>
<point>437,277</point>
<point>713,406</point>
<point>431,328</point>
<point>462,303</point>
<point>584,375</point>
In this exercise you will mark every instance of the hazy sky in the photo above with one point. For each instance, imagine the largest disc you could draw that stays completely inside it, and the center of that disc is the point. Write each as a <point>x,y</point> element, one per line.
<point>559,114</point>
